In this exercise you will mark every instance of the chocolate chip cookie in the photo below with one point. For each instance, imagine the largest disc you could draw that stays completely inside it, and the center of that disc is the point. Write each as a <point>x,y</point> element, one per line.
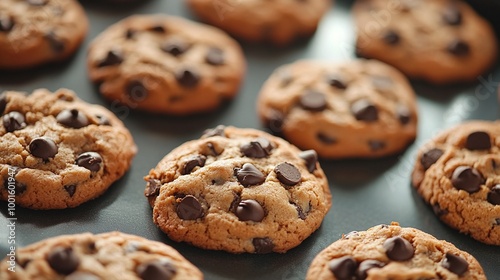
<point>239,190</point>
<point>440,41</point>
<point>113,255</point>
<point>359,108</point>
<point>458,174</point>
<point>34,32</point>
<point>393,252</point>
<point>58,151</point>
<point>279,22</point>
<point>166,64</point>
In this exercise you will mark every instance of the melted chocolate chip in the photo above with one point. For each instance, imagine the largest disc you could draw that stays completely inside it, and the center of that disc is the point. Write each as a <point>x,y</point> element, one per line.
<point>479,140</point>
<point>63,260</point>
<point>113,57</point>
<point>250,210</point>
<point>467,179</point>
<point>90,160</point>
<point>217,131</point>
<point>458,48</point>
<point>325,139</point>
<point>398,249</point>
<point>376,145</point>
<point>391,37</point>
<point>344,268</point>
<point>452,15</point>
<point>71,189</point>
<point>404,114</point>
<point>263,245</point>
<point>19,188</point>
<point>43,147</point>
<point>494,195</point>
<point>3,103</point>
<point>56,44</point>
<point>336,81</point>
<point>310,158</point>
<point>455,264</point>
<point>192,163</point>
<point>156,270</point>
<point>430,157</point>
<point>288,174</point>
<point>300,212</point>
<point>136,90</point>
<point>80,275</point>
<point>187,78</point>
<point>152,188</point>
<point>364,110</point>
<point>215,56</point>
<point>260,148</point>
<point>174,47</point>
<point>6,23</point>
<point>72,118</point>
<point>313,101</point>
<point>14,121</point>
<point>37,2</point>
<point>364,266</point>
<point>249,175</point>
<point>189,208</point>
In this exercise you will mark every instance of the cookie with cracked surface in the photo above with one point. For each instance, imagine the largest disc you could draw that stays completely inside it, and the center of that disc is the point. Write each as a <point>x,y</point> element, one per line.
<point>113,255</point>
<point>457,173</point>
<point>283,21</point>
<point>35,32</point>
<point>58,151</point>
<point>353,109</point>
<point>441,41</point>
<point>239,190</point>
<point>166,64</point>
<point>393,252</point>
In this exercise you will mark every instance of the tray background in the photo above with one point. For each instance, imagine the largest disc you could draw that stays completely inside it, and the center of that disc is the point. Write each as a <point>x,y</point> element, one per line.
<point>365,192</point>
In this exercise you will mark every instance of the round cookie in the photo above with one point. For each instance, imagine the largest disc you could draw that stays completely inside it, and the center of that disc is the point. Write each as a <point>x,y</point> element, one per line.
<point>279,22</point>
<point>238,190</point>
<point>58,151</point>
<point>34,32</point>
<point>440,41</point>
<point>113,256</point>
<point>354,109</point>
<point>457,173</point>
<point>166,64</point>
<point>393,252</point>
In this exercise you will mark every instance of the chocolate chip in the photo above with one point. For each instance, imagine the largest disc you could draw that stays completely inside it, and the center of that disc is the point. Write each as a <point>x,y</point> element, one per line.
<point>13,121</point>
<point>288,174</point>
<point>300,212</point>
<point>63,260</point>
<point>497,221</point>
<point>152,188</point>
<point>90,160</point>
<point>113,57</point>
<point>455,264</point>
<point>43,147</point>
<point>376,145</point>
<point>55,42</point>
<point>129,34</point>
<point>103,120</point>
<point>259,148</point>
<point>80,275</point>
<point>494,195</point>
<point>452,15</point>
<point>458,48</point>
<point>404,114</point>
<point>70,189</point>
<point>249,175</point>
<point>72,118</point>
<point>364,110</point>
<point>398,249</point>
<point>19,188</point>
<point>275,120</point>
<point>192,162</point>
<point>344,268</point>
<point>364,266</point>
<point>391,37</point>
<point>311,158</point>
<point>6,23</point>
<point>215,56</point>
<point>430,157</point>
<point>436,208</point>
<point>3,103</point>
<point>156,270</point>
<point>217,131</point>
<point>263,245</point>
<point>189,208</point>
<point>174,47</point>
<point>479,140</point>
<point>250,210</point>
<point>336,81</point>
<point>187,78</point>
<point>325,139</point>
<point>350,234</point>
<point>157,28</point>
<point>213,150</point>
<point>313,101</point>
<point>467,179</point>
<point>136,90</point>
<point>37,2</point>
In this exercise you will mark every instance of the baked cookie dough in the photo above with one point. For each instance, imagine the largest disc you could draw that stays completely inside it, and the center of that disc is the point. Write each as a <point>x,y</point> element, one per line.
<point>353,109</point>
<point>458,174</point>
<point>166,64</point>
<point>239,190</point>
<point>58,151</point>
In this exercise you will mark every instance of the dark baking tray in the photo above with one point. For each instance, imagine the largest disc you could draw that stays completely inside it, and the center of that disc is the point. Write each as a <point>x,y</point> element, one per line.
<point>365,192</point>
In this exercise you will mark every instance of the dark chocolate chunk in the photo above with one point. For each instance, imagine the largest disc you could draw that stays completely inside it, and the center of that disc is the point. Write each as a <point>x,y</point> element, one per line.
<point>398,249</point>
<point>189,208</point>
<point>494,195</point>
<point>43,147</point>
<point>455,264</point>
<point>364,110</point>
<point>192,162</point>
<point>63,260</point>
<point>37,2</point>
<point>344,268</point>
<point>14,121</point>
<point>259,148</point>
<point>6,23</point>
<point>19,188</point>
<point>56,43</point>
<point>364,266</point>
<point>3,103</point>
<point>113,57</point>
<point>288,174</point>
<point>404,114</point>
<point>80,275</point>
<point>452,15</point>
<point>187,78</point>
<point>336,81</point>
<point>70,189</point>
<point>249,175</point>
<point>263,245</point>
<point>467,179</point>
<point>215,56</point>
<point>459,48</point>
<point>376,145</point>
<point>174,47</point>
<point>310,158</point>
<point>391,37</point>
<point>72,118</point>
<point>325,139</point>
<point>136,90</point>
<point>217,131</point>
<point>313,101</point>
<point>250,210</point>
<point>152,188</point>
<point>350,234</point>
<point>478,140</point>
<point>90,160</point>
<point>430,157</point>
<point>156,270</point>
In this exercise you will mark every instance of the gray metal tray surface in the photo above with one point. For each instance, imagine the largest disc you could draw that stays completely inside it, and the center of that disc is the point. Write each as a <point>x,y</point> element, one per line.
<point>365,192</point>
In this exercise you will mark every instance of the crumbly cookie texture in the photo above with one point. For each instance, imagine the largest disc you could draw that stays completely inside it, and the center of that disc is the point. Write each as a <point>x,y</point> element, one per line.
<point>279,22</point>
<point>440,41</point>
<point>393,252</point>
<point>353,109</point>
<point>239,190</point>
<point>458,174</point>
<point>34,32</point>
<point>166,64</point>
<point>113,256</point>
<point>58,151</point>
